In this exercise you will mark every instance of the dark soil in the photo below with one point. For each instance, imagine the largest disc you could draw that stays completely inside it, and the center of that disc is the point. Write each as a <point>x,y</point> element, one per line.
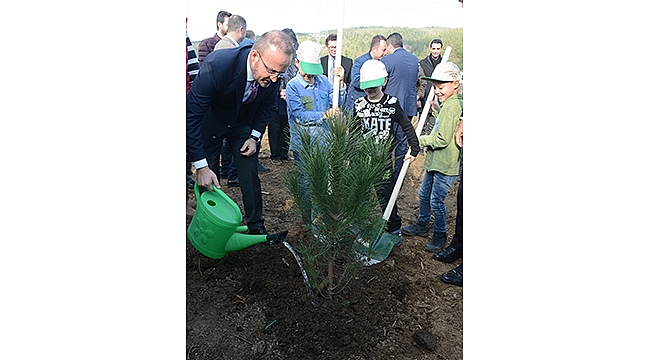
<point>252,304</point>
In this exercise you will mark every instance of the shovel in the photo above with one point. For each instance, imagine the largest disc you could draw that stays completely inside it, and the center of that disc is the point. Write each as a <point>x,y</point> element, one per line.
<point>375,251</point>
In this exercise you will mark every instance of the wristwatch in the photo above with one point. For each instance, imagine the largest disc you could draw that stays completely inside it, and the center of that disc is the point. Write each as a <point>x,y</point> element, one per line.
<point>257,140</point>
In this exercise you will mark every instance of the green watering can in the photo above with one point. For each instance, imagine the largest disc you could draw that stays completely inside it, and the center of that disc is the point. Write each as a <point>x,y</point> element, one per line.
<point>215,230</point>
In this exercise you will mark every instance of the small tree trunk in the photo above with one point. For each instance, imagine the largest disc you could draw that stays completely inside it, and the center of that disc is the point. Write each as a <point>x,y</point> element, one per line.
<point>330,273</point>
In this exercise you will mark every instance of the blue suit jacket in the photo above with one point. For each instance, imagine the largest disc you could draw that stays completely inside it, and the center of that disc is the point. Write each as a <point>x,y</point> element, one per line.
<point>402,68</point>
<point>354,90</point>
<point>214,102</point>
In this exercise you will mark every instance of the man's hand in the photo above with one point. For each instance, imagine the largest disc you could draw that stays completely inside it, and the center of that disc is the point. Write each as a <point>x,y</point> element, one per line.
<point>206,178</point>
<point>340,72</point>
<point>249,148</point>
<point>459,134</point>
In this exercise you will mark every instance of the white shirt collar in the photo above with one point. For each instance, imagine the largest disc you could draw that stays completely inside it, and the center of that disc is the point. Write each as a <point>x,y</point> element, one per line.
<point>249,71</point>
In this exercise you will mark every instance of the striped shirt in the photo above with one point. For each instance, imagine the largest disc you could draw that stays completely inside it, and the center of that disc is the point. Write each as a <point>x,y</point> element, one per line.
<point>192,61</point>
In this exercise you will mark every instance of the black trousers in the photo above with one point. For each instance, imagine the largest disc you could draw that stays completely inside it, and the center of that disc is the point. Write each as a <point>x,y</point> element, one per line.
<point>246,166</point>
<point>279,136</point>
<point>457,240</point>
<point>384,192</point>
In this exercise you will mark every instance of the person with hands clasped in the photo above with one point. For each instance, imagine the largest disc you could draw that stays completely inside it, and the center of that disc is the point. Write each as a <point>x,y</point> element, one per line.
<point>309,98</point>
<point>309,95</point>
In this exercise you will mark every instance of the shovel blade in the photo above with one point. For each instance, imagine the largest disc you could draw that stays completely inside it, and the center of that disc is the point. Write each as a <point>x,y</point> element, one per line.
<point>374,252</point>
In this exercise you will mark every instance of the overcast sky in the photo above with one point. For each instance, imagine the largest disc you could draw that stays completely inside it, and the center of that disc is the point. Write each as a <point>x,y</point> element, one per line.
<point>316,15</point>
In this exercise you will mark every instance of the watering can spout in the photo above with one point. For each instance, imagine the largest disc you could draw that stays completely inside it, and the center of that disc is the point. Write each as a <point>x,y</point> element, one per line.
<point>240,241</point>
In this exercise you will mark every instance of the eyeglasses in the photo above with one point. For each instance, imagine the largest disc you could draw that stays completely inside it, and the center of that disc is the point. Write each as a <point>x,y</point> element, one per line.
<point>271,72</point>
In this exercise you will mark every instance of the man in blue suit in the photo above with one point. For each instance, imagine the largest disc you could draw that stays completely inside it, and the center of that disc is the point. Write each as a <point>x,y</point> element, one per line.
<point>232,98</point>
<point>402,68</point>
<point>377,51</point>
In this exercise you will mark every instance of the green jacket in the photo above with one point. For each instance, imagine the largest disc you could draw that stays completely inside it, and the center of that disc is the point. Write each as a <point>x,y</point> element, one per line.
<point>443,155</point>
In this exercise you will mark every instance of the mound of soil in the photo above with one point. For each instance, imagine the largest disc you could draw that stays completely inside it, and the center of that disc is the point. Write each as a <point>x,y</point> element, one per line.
<point>253,304</point>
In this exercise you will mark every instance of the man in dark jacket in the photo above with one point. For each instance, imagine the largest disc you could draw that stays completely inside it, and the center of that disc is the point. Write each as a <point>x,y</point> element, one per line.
<point>279,124</point>
<point>402,68</point>
<point>232,98</point>
<point>327,61</point>
<point>429,63</point>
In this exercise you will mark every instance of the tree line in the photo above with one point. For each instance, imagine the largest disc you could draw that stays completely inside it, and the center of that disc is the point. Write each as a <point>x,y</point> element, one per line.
<point>356,41</point>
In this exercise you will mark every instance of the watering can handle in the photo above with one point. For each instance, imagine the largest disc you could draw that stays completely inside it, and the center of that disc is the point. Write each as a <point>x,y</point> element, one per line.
<point>196,189</point>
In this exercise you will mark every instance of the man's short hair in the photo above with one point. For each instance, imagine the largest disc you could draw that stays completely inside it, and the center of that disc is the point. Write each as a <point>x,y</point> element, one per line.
<point>435,41</point>
<point>275,39</point>
<point>376,40</point>
<point>235,22</point>
<point>221,16</point>
<point>292,35</point>
<point>330,37</point>
<point>395,39</point>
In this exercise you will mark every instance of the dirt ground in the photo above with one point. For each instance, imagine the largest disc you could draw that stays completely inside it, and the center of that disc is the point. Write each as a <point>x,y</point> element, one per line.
<point>252,304</point>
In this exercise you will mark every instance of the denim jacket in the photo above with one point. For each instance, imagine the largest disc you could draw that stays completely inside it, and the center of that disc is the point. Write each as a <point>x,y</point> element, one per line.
<point>306,105</point>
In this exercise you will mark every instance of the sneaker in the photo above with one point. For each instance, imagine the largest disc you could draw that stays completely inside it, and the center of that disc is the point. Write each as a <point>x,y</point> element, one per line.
<point>276,161</point>
<point>397,233</point>
<point>437,242</point>
<point>419,228</point>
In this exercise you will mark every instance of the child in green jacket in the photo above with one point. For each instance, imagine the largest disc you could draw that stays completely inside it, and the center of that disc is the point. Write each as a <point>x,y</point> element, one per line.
<point>442,161</point>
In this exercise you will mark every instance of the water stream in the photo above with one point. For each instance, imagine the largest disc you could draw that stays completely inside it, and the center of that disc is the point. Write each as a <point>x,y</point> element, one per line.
<point>302,269</point>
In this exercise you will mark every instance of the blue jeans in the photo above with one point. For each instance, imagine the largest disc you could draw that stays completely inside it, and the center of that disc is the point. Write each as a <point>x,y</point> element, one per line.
<point>432,193</point>
<point>304,189</point>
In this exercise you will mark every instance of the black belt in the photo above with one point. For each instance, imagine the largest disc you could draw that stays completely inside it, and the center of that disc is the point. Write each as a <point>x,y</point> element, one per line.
<point>307,125</point>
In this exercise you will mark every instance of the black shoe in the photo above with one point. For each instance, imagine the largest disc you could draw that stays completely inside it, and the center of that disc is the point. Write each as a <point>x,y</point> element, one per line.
<point>190,184</point>
<point>420,229</point>
<point>437,242</point>
<point>448,254</point>
<point>233,183</point>
<point>277,238</point>
<point>262,169</point>
<point>453,276</point>
<point>259,231</point>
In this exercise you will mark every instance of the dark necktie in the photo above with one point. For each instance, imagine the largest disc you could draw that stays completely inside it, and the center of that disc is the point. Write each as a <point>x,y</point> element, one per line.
<point>253,93</point>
